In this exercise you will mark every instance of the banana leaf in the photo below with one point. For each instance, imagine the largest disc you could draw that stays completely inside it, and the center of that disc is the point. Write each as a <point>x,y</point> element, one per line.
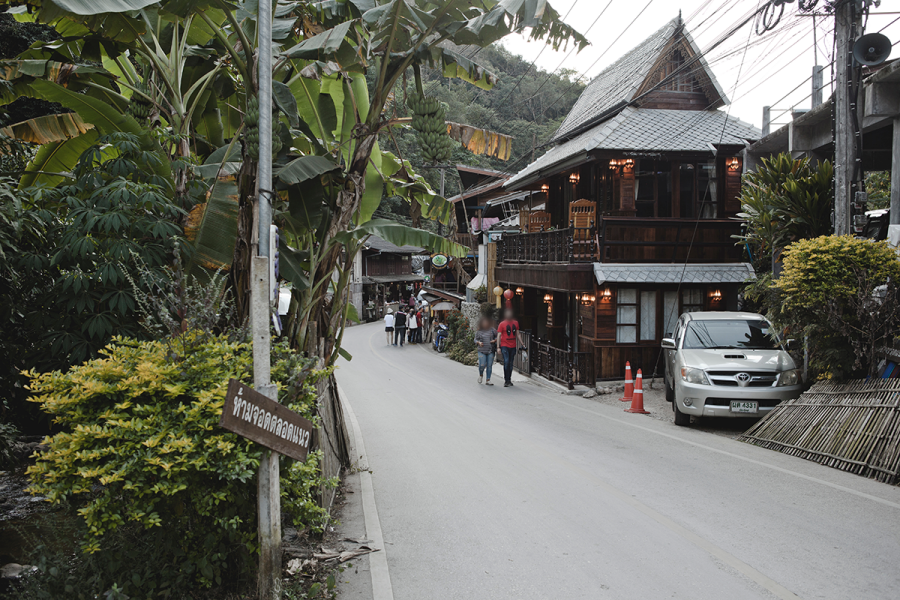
<point>46,129</point>
<point>106,118</point>
<point>212,228</point>
<point>56,157</point>
<point>402,235</point>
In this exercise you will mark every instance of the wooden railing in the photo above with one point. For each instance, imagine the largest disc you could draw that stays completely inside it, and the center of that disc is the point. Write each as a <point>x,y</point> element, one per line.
<point>570,245</point>
<point>468,240</point>
<point>569,368</point>
<point>649,240</point>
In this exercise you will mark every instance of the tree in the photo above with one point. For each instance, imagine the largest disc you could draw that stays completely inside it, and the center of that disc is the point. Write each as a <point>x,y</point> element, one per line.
<point>783,201</point>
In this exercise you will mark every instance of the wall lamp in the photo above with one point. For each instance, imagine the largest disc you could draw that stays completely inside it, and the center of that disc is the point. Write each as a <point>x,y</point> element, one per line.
<point>545,188</point>
<point>520,290</point>
<point>716,296</point>
<point>734,164</point>
<point>588,299</point>
<point>606,294</point>
<point>548,298</point>
<point>575,177</point>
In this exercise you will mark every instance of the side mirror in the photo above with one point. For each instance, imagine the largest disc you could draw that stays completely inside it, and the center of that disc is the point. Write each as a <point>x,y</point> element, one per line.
<point>791,344</point>
<point>668,343</point>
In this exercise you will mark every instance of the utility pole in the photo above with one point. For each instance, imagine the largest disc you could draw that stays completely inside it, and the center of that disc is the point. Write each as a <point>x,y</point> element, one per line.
<point>441,225</point>
<point>817,85</point>
<point>847,29</point>
<point>268,481</point>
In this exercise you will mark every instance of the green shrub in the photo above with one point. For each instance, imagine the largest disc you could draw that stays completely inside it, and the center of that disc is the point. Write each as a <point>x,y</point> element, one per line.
<point>841,292</point>
<point>9,433</point>
<point>141,455</point>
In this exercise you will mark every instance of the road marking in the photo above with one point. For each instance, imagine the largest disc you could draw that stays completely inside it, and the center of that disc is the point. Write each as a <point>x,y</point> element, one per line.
<point>378,565</point>
<point>738,456</point>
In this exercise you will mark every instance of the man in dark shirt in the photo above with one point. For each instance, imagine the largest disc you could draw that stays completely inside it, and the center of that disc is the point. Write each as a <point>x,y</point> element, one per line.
<point>400,326</point>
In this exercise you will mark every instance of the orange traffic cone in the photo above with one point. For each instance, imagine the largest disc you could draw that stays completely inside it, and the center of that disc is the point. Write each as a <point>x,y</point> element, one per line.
<point>629,384</point>
<point>637,405</point>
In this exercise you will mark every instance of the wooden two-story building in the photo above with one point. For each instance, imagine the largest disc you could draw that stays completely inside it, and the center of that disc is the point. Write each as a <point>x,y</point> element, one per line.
<point>632,222</point>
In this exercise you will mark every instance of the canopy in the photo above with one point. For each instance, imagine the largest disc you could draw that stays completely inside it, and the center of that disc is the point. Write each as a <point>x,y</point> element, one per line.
<point>673,273</point>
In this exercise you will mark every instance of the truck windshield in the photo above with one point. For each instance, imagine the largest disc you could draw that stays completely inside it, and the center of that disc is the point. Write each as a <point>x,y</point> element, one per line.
<point>740,333</point>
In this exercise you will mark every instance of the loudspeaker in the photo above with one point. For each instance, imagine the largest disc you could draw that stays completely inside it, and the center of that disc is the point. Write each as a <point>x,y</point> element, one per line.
<point>872,49</point>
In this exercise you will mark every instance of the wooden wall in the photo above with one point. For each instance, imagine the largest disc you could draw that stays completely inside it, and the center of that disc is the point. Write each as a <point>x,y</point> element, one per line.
<point>386,264</point>
<point>669,99</point>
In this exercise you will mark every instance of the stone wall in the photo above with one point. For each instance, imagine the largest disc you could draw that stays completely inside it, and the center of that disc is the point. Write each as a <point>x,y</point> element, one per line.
<point>472,311</point>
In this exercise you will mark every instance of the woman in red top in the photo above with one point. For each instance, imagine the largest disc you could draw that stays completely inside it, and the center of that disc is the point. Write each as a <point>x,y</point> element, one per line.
<point>507,330</point>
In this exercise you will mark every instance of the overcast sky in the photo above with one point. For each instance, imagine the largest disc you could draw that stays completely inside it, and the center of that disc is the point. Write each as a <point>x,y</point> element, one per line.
<point>774,64</point>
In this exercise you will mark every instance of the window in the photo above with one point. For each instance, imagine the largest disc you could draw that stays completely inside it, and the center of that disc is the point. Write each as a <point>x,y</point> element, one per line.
<point>737,334</point>
<point>681,78</point>
<point>670,312</point>
<point>706,190</point>
<point>692,300</point>
<point>648,316</point>
<point>626,316</point>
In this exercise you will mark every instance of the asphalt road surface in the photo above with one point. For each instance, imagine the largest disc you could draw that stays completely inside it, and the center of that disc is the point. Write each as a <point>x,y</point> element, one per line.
<point>525,493</point>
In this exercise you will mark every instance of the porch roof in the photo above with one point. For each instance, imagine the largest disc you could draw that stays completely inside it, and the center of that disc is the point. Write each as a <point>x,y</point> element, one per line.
<point>403,278</point>
<point>672,273</point>
<point>640,130</point>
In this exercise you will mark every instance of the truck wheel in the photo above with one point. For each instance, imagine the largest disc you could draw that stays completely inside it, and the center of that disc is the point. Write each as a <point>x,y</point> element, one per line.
<point>670,393</point>
<point>681,419</point>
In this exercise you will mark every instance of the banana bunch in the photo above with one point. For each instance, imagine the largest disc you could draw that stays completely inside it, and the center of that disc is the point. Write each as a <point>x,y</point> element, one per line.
<point>251,121</point>
<point>140,107</point>
<point>251,134</point>
<point>431,128</point>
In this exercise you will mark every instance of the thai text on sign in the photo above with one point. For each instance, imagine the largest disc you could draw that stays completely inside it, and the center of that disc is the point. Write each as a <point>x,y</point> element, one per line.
<point>264,421</point>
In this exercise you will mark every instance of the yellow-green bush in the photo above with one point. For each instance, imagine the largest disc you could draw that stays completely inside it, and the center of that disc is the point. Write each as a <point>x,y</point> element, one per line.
<point>140,448</point>
<point>841,292</point>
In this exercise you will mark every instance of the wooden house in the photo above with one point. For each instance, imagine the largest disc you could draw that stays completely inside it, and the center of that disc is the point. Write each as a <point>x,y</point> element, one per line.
<point>383,275</point>
<point>633,224</point>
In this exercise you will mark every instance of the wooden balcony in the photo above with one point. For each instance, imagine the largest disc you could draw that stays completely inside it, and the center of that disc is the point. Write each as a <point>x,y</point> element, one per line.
<point>564,246</point>
<point>626,240</point>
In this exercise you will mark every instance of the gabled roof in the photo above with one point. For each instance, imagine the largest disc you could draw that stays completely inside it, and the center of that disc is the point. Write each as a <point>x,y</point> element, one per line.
<point>642,130</point>
<point>378,244</point>
<point>634,74</point>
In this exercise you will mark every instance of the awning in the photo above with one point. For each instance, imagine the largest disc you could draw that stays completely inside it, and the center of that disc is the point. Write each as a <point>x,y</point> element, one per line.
<point>405,278</point>
<point>673,273</point>
<point>444,306</point>
<point>478,281</point>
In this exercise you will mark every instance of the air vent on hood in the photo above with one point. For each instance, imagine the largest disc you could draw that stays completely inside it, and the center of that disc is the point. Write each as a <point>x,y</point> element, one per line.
<point>738,356</point>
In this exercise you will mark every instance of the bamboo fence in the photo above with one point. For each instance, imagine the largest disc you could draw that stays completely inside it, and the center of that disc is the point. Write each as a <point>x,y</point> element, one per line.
<point>852,426</point>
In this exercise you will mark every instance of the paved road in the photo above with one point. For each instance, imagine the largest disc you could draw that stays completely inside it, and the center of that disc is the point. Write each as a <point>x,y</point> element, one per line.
<point>523,493</point>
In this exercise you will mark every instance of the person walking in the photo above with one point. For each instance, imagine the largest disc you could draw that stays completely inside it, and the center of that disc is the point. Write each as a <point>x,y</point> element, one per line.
<point>486,339</point>
<point>420,319</point>
<point>389,325</point>
<point>399,327</point>
<point>412,325</point>
<point>507,329</point>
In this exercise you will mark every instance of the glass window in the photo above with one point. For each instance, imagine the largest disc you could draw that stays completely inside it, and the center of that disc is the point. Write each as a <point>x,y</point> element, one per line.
<point>706,190</point>
<point>692,300</point>
<point>670,312</point>
<point>686,190</point>
<point>738,333</point>
<point>626,316</point>
<point>648,316</point>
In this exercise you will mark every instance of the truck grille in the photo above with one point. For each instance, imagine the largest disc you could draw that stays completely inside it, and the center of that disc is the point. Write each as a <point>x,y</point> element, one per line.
<point>757,378</point>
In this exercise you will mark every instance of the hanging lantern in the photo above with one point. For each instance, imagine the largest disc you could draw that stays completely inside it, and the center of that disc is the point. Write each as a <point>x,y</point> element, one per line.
<point>498,292</point>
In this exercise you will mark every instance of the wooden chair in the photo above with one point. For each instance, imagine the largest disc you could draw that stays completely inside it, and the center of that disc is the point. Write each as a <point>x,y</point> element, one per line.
<point>538,220</point>
<point>583,216</point>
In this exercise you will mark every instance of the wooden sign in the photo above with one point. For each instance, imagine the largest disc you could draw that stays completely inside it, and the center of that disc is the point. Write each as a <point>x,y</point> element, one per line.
<point>262,420</point>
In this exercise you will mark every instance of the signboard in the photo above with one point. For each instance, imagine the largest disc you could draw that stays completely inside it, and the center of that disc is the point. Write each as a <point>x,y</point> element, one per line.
<point>439,261</point>
<point>262,420</point>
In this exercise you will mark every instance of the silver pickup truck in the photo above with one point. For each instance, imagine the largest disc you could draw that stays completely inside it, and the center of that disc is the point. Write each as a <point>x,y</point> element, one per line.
<point>727,364</point>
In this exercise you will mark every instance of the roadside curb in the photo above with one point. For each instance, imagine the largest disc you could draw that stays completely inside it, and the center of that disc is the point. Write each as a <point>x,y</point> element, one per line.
<point>378,565</point>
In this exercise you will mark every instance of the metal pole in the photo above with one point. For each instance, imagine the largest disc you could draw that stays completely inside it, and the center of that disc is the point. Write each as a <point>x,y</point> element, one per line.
<point>441,225</point>
<point>817,85</point>
<point>269,484</point>
<point>767,120</point>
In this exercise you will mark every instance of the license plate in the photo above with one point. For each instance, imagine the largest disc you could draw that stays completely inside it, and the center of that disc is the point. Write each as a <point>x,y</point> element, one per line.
<point>744,407</point>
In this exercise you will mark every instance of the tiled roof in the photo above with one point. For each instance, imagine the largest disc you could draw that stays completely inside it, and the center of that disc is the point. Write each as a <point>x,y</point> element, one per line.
<point>673,273</point>
<point>618,82</point>
<point>646,130</point>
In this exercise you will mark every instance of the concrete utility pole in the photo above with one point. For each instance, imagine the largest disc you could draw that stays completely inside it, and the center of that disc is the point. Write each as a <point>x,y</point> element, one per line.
<point>767,120</point>
<point>847,29</point>
<point>817,85</point>
<point>268,482</point>
<point>894,229</point>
